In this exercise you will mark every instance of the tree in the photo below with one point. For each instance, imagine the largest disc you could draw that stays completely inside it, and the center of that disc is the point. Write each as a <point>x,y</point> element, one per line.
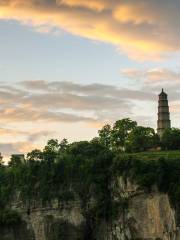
<point>52,145</point>
<point>141,139</point>
<point>35,155</point>
<point>120,132</point>
<point>15,161</point>
<point>105,136</point>
<point>171,139</point>
<point>51,150</point>
<point>63,144</point>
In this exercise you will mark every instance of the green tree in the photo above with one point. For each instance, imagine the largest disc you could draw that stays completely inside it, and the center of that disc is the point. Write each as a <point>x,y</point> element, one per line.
<point>15,161</point>
<point>6,186</point>
<point>52,145</point>
<point>120,132</point>
<point>63,145</point>
<point>105,135</point>
<point>50,151</point>
<point>35,155</point>
<point>171,139</point>
<point>141,139</point>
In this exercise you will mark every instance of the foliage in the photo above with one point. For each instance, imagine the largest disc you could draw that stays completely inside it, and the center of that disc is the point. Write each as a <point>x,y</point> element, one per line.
<point>15,161</point>
<point>120,132</point>
<point>141,139</point>
<point>105,136</point>
<point>164,173</point>
<point>125,135</point>
<point>6,186</point>
<point>35,155</point>
<point>171,139</point>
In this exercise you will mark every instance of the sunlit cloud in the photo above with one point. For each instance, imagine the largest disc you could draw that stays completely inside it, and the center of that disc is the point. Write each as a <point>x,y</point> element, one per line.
<point>65,101</point>
<point>93,4</point>
<point>155,78</point>
<point>20,142</point>
<point>142,29</point>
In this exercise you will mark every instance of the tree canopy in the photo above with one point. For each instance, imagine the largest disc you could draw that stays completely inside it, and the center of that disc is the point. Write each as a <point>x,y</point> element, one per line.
<point>126,135</point>
<point>171,139</point>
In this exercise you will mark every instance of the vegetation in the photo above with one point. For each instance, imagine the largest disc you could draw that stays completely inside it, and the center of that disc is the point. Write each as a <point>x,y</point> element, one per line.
<point>164,173</point>
<point>89,170</point>
<point>171,139</point>
<point>126,135</point>
<point>63,172</point>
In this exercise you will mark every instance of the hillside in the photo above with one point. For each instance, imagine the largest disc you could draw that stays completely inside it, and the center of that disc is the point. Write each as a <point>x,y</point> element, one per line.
<point>85,191</point>
<point>111,187</point>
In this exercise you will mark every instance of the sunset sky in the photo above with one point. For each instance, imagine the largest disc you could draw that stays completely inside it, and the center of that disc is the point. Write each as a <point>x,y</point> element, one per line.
<point>69,66</point>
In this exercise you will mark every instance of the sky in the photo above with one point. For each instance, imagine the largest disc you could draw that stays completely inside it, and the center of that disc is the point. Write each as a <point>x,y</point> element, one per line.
<point>67,67</point>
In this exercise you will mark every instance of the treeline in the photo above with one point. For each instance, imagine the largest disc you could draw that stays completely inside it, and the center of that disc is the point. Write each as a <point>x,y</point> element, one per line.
<point>125,135</point>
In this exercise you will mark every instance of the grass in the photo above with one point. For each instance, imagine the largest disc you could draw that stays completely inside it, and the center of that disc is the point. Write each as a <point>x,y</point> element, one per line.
<point>156,155</point>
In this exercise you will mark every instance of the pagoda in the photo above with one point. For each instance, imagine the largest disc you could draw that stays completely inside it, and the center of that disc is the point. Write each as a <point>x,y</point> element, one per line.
<point>163,114</point>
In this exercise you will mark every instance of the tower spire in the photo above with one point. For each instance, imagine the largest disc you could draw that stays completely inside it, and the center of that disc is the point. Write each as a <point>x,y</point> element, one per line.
<point>163,114</point>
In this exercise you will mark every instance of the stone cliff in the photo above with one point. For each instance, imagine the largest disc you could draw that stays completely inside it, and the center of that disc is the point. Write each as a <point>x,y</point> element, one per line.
<point>148,215</point>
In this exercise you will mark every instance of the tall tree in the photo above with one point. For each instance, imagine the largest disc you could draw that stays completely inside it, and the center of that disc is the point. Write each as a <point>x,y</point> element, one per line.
<point>171,139</point>
<point>105,135</point>
<point>120,132</point>
<point>141,139</point>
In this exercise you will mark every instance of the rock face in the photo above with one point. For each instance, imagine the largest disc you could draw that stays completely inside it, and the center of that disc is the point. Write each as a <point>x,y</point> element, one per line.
<point>153,216</point>
<point>147,216</point>
<point>55,223</point>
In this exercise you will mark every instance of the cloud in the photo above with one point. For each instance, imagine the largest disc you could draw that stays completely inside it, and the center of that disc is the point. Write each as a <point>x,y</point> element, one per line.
<point>155,78</point>
<point>93,4</point>
<point>7,131</point>
<point>7,149</point>
<point>33,136</point>
<point>154,74</point>
<point>95,90</point>
<point>15,141</point>
<point>18,141</point>
<point>65,101</point>
<point>24,114</point>
<point>142,29</point>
